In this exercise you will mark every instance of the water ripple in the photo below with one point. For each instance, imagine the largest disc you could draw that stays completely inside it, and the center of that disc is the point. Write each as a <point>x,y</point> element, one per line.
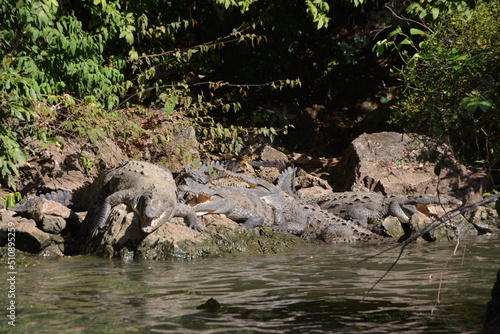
<point>317,290</point>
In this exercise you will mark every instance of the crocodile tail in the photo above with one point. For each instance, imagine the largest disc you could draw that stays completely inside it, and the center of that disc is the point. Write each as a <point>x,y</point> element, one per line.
<point>232,166</point>
<point>251,181</point>
<point>62,196</point>
<point>65,197</point>
<point>202,173</point>
<point>25,205</point>
<point>286,182</point>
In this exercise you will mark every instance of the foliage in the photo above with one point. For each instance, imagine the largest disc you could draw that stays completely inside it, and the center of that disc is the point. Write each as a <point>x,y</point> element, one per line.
<point>48,45</point>
<point>317,10</point>
<point>412,23</point>
<point>45,52</point>
<point>64,68</point>
<point>230,68</point>
<point>17,97</point>
<point>452,84</point>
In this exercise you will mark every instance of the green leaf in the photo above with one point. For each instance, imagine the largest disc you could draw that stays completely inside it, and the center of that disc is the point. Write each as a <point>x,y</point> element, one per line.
<point>473,103</point>
<point>414,7</point>
<point>397,31</point>
<point>133,54</point>
<point>414,31</point>
<point>169,107</point>
<point>435,13</point>
<point>405,41</point>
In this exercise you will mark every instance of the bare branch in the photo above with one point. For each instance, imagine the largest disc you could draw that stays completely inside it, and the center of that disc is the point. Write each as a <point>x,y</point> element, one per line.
<point>409,20</point>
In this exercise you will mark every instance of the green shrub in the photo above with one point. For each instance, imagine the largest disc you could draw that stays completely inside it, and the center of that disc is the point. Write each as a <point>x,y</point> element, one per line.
<point>451,85</point>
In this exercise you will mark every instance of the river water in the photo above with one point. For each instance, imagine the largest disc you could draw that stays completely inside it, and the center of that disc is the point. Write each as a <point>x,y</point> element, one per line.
<point>318,289</point>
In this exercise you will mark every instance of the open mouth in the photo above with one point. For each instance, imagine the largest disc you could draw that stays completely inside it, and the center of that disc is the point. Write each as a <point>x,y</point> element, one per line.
<point>154,223</point>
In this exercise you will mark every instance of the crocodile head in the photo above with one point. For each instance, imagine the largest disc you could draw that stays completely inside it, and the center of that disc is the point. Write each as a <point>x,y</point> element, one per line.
<point>154,211</point>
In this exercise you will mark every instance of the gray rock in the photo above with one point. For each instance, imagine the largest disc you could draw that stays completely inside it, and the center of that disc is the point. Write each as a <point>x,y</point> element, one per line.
<point>485,219</point>
<point>393,227</point>
<point>269,153</point>
<point>24,233</point>
<point>395,163</point>
<point>50,216</point>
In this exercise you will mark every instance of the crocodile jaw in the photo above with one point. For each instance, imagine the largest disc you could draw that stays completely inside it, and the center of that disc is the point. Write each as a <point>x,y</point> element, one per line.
<point>151,224</point>
<point>154,212</point>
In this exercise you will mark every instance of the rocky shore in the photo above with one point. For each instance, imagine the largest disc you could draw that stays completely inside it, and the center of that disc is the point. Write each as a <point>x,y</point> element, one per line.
<point>388,163</point>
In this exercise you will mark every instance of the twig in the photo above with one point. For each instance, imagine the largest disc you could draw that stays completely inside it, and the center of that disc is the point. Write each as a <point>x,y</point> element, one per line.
<point>408,20</point>
<point>202,83</point>
<point>221,40</point>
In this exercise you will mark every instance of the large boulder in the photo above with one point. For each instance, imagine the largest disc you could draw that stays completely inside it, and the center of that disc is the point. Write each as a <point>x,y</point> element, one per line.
<point>396,163</point>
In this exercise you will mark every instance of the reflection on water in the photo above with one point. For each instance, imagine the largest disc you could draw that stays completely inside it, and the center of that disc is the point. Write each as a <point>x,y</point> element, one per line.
<point>319,289</point>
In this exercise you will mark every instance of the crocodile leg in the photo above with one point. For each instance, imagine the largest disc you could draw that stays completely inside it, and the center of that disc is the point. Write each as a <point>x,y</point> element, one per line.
<point>189,215</point>
<point>105,209</point>
<point>253,222</point>
<point>217,204</point>
<point>410,209</point>
<point>396,210</point>
<point>251,219</point>
<point>88,224</point>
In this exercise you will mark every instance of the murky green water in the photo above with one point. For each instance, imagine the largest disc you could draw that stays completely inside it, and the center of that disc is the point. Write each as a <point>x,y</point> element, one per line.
<point>319,289</point>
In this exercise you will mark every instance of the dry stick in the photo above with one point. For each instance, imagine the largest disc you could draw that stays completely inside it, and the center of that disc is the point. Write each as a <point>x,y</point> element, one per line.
<point>440,285</point>
<point>438,222</point>
<point>456,246</point>
<point>441,276</point>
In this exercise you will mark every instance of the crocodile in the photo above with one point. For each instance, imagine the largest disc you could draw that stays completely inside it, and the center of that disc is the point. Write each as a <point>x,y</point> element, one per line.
<point>148,189</point>
<point>313,223</point>
<point>266,204</point>
<point>361,208</point>
<point>366,208</point>
<point>217,173</point>
<point>232,201</point>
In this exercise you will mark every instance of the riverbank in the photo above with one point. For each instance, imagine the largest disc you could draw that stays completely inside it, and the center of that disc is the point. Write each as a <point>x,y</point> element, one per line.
<point>387,163</point>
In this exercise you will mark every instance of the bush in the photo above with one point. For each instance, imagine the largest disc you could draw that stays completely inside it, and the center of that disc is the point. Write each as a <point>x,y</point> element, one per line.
<point>47,57</point>
<point>66,68</point>
<point>451,85</point>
